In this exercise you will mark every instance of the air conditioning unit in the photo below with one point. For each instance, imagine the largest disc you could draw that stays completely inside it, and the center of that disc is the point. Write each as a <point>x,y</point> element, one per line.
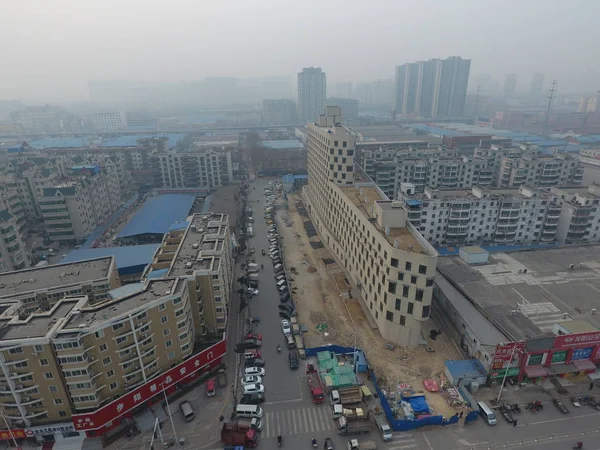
<point>25,399</point>
<point>145,335</point>
<point>90,358</point>
<point>35,354</point>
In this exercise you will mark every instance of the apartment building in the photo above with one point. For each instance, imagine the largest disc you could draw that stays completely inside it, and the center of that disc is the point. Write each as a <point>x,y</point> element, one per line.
<point>39,118</point>
<point>312,87</point>
<point>13,252</point>
<point>371,237</point>
<point>198,167</point>
<point>579,221</point>
<point>201,252</point>
<point>390,166</point>
<point>74,208</point>
<point>535,169</point>
<point>279,112</point>
<point>108,121</point>
<point>483,216</point>
<point>244,118</point>
<point>11,201</point>
<point>348,105</point>
<point>75,357</point>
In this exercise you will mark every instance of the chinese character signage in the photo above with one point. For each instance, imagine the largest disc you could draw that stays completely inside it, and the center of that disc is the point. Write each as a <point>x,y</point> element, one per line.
<point>138,396</point>
<point>502,357</point>
<point>14,433</point>
<point>512,372</point>
<point>582,353</point>
<point>559,357</point>
<point>50,429</point>
<point>577,340</point>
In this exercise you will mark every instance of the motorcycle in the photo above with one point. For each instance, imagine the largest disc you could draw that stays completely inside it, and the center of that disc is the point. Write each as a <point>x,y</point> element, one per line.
<point>561,407</point>
<point>279,349</point>
<point>578,446</point>
<point>576,402</point>
<point>279,439</point>
<point>253,320</point>
<point>314,443</point>
<point>264,253</point>
<point>534,406</point>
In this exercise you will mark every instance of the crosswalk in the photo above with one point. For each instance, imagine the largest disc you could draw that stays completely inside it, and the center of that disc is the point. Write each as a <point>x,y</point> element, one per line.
<point>318,419</point>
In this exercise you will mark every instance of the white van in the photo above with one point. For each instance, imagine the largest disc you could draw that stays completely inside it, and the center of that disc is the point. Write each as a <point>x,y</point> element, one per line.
<point>486,412</point>
<point>249,411</point>
<point>278,267</point>
<point>187,411</point>
<point>281,283</point>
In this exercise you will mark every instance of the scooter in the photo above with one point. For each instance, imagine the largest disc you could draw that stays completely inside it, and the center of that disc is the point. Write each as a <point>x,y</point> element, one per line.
<point>279,439</point>
<point>279,349</point>
<point>314,443</point>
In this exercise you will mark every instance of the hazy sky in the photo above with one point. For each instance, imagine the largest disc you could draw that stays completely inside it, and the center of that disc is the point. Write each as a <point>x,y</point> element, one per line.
<point>51,48</point>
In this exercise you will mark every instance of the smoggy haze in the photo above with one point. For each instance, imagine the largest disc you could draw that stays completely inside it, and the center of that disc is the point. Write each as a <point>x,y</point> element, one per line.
<point>52,48</point>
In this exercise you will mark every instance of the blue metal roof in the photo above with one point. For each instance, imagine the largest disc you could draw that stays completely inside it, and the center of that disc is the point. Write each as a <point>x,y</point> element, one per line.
<point>158,273</point>
<point>301,177</point>
<point>131,141</point>
<point>413,202</point>
<point>108,223</point>
<point>39,144</point>
<point>129,259</point>
<point>158,214</point>
<point>179,226</point>
<point>467,368</point>
<point>280,145</point>
<point>289,178</point>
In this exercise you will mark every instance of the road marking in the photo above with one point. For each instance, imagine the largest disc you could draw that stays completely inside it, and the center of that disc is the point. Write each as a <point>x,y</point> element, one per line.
<point>399,447</point>
<point>289,423</point>
<point>305,422</point>
<point>278,429</point>
<point>295,400</point>
<point>315,413</point>
<point>267,428</point>
<point>295,421</point>
<point>427,441</point>
<point>564,418</point>
<point>310,420</point>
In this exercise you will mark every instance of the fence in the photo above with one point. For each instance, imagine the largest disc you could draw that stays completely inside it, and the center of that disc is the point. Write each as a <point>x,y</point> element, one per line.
<point>337,349</point>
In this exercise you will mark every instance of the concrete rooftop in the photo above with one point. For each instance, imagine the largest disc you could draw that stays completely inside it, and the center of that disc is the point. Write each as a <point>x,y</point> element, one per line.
<point>36,325</point>
<point>524,305</point>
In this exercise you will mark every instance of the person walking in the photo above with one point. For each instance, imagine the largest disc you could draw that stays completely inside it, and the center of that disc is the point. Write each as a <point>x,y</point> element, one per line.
<point>591,386</point>
<point>514,423</point>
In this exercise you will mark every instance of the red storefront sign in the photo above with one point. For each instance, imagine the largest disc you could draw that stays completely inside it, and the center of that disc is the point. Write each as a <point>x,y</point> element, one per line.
<point>16,434</point>
<point>575,340</point>
<point>502,357</point>
<point>115,409</point>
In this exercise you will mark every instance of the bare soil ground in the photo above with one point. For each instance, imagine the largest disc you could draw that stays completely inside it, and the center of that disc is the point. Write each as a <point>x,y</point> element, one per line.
<point>332,318</point>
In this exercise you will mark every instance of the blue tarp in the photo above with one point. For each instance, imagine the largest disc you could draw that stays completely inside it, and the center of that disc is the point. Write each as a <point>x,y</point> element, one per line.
<point>418,403</point>
<point>158,214</point>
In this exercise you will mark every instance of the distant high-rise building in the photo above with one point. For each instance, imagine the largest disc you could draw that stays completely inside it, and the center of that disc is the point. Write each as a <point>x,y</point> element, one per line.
<point>311,94</point>
<point>348,105</point>
<point>537,85</point>
<point>589,103</point>
<point>279,112</point>
<point>343,90</point>
<point>434,88</point>
<point>510,84</point>
<point>108,121</point>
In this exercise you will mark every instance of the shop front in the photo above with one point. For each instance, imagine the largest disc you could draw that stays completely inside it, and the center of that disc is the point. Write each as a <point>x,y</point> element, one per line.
<point>506,363</point>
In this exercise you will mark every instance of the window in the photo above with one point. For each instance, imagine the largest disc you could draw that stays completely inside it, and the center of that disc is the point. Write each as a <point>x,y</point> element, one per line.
<point>419,295</point>
<point>58,401</point>
<point>425,312</point>
<point>53,388</point>
<point>106,361</point>
<point>164,319</point>
<point>398,304</point>
<point>400,276</point>
<point>394,262</point>
<point>62,413</point>
<point>39,348</point>
<point>413,279</point>
<point>171,355</point>
<point>110,373</point>
<point>114,385</point>
<point>168,343</point>
<point>121,339</point>
<point>103,347</point>
<point>43,362</point>
<point>48,375</point>
<point>409,310</point>
<point>405,290</point>
<point>422,269</point>
<point>162,307</point>
<point>166,332</point>
<point>429,282</point>
<point>15,350</point>
<point>389,316</point>
<point>391,287</point>
<point>142,316</point>
<point>117,326</point>
<point>408,265</point>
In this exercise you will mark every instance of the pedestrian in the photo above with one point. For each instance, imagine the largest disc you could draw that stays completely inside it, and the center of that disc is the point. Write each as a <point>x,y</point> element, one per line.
<point>591,386</point>
<point>460,416</point>
<point>514,423</point>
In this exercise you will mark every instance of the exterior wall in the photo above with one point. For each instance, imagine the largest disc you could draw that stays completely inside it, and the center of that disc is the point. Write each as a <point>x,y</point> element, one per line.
<point>13,251</point>
<point>208,169</point>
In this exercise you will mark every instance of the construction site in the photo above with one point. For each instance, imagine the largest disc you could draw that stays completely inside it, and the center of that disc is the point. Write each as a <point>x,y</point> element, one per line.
<point>328,304</point>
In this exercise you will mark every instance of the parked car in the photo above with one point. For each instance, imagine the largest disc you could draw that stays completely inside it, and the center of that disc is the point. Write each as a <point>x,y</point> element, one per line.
<point>253,389</point>
<point>288,308</point>
<point>255,371</point>
<point>293,360</point>
<point>285,327</point>
<point>251,354</point>
<point>254,362</point>
<point>285,315</point>
<point>252,343</point>
<point>251,379</point>
<point>252,399</point>
<point>285,298</point>
<point>253,336</point>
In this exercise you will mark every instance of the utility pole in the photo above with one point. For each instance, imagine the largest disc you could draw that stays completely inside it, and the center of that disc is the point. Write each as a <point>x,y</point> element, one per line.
<point>550,98</point>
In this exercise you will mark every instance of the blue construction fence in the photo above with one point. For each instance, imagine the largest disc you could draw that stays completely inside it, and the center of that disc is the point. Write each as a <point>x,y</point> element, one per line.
<point>395,424</point>
<point>453,251</point>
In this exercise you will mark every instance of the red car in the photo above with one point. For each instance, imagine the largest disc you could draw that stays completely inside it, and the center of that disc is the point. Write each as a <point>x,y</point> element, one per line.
<point>253,336</point>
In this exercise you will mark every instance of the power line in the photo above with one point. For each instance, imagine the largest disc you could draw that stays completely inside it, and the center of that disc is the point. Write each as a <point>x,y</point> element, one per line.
<point>550,97</point>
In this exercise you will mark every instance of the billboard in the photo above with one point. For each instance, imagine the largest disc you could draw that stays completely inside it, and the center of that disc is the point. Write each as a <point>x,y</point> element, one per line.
<point>501,359</point>
<point>576,340</point>
<point>141,394</point>
<point>12,434</point>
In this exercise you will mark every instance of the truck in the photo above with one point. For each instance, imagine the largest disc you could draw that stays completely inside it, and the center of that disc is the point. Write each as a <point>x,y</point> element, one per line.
<point>382,425</point>
<point>346,396</point>
<point>233,434</point>
<point>222,378</point>
<point>250,232</point>
<point>314,383</point>
<point>251,424</point>
<point>354,444</point>
<point>346,427</point>
<point>253,267</point>
<point>300,346</point>
<point>357,411</point>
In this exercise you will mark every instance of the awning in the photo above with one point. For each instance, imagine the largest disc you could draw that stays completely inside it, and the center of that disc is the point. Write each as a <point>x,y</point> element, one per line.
<point>535,371</point>
<point>584,364</point>
<point>559,369</point>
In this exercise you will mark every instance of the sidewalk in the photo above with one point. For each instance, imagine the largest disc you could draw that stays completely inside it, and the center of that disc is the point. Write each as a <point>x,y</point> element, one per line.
<point>564,390</point>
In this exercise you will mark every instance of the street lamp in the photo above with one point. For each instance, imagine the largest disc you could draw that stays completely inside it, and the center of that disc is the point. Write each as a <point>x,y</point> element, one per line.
<point>169,411</point>
<point>512,355</point>
<point>9,429</point>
